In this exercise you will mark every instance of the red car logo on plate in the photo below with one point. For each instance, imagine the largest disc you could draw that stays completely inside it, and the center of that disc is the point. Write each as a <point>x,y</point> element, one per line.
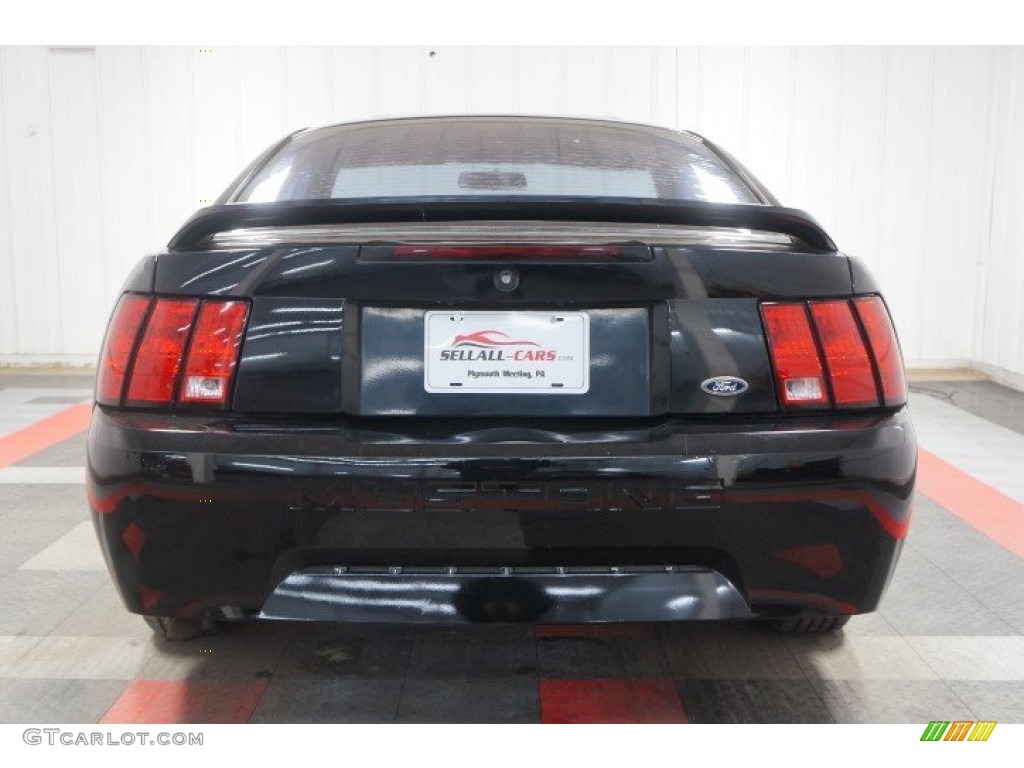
<point>484,339</point>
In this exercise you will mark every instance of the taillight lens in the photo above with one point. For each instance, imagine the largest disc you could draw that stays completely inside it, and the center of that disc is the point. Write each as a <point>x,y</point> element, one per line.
<point>798,369</point>
<point>849,367</point>
<point>858,346</point>
<point>161,351</point>
<point>158,360</point>
<point>213,353</point>
<point>117,348</point>
<point>884,347</point>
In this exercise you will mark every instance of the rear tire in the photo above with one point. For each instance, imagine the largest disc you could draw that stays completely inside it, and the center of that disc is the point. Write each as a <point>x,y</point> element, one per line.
<point>808,625</point>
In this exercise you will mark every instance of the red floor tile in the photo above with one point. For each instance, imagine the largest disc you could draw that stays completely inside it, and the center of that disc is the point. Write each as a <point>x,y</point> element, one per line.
<point>610,701</point>
<point>979,505</point>
<point>44,433</point>
<point>186,701</point>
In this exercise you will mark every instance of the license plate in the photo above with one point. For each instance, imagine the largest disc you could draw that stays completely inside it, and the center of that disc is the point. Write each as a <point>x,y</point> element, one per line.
<point>507,352</point>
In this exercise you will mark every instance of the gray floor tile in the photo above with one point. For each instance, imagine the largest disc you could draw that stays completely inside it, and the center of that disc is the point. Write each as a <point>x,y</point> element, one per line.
<point>1000,700</point>
<point>514,700</point>
<point>26,507</point>
<point>32,517</point>
<point>242,651</point>
<point>923,600</point>
<point>637,654</point>
<point>938,534</point>
<point>68,453</point>
<point>1000,405</point>
<point>57,701</point>
<point>870,624</point>
<point>891,701</point>
<point>103,615</point>
<point>77,379</point>
<point>473,652</point>
<point>973,658</point>
<point>36,602</point>
<point>329,701</point>
<point>983,449</point>
<point>21,542</point>
<point>22,475</point>
<point>751,701</point>
<point>70,399</point>
<point>84,658</point>
<point>740,651</point>
<point>13,647</point>
<point>843,657</point>
<point>987,571</point>
<point>373,651</point>
<point>76,550</point>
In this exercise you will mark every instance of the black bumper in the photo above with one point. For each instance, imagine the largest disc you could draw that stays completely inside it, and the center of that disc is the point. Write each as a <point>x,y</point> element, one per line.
<point>784,516</point>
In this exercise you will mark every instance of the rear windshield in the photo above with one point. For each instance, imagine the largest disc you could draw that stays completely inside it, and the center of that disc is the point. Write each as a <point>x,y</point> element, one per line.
<point>494,157</point>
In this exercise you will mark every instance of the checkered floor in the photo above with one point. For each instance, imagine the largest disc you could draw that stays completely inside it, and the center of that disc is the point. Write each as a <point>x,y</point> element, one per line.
<point>947,644</point>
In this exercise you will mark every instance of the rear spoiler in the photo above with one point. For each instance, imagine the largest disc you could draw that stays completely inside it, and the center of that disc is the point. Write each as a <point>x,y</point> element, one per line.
<point>206,222</point>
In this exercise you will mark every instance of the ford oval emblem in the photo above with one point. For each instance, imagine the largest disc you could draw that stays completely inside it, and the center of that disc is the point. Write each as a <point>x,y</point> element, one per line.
<point>724,386</point>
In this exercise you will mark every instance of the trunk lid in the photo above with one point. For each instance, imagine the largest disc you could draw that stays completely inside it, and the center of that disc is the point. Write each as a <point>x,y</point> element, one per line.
<point>354,319</point>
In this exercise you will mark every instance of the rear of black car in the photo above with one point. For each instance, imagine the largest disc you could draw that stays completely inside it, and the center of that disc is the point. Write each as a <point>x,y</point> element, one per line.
<point>500,369</point>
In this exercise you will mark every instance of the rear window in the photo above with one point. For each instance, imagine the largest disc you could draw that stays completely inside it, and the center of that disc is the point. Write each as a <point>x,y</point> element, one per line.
<point>503,157</point>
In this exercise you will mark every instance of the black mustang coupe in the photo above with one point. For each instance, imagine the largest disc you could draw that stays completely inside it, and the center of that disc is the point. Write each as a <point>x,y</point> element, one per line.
<point>500,369</point>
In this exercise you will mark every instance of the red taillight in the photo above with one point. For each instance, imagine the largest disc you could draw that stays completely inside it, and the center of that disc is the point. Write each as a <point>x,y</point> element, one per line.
<point>885,348</point>
<point>164,355</point>
<point>158,360</point>
<point>850,361</point>
<point>213,352</point>
<point>798,369</point>
<point>849,367</point>
<point>117,348</point>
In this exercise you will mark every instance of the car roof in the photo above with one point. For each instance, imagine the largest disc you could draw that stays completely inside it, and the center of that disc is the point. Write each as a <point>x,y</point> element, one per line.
<point>536,119</point>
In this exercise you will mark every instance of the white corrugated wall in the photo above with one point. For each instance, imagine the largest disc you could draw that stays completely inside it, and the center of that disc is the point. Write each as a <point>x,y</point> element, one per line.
<point>911,157</point>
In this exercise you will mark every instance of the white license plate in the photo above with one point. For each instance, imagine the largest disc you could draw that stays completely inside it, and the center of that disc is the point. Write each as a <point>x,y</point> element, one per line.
<point>507,352</point>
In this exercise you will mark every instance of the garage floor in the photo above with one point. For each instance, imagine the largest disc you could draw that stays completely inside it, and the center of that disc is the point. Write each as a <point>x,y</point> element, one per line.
<point>948,644</point>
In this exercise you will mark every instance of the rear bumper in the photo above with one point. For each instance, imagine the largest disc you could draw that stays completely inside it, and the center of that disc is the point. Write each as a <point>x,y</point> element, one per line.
<point>752,517</point>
